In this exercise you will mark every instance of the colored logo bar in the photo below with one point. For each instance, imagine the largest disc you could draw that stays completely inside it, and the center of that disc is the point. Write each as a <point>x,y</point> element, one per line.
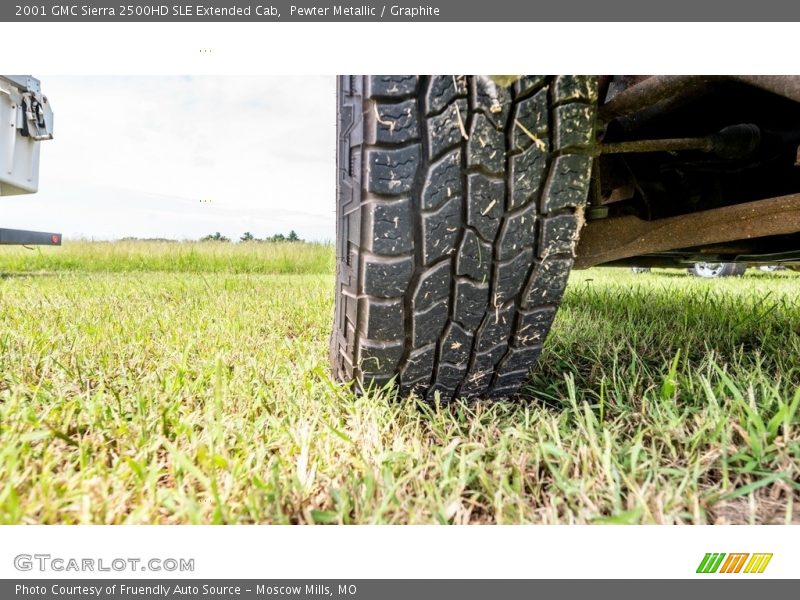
<point>737,562</point>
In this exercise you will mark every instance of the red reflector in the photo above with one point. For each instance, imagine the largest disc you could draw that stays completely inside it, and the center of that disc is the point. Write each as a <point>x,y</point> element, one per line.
<point>55,239</point>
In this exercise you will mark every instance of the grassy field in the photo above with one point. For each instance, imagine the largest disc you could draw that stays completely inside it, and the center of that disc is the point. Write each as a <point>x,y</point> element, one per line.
<point>164,383</point>
<point>174,257</point>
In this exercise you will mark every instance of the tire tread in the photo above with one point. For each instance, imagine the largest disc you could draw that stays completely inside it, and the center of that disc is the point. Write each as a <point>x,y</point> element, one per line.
<point>459,207</point>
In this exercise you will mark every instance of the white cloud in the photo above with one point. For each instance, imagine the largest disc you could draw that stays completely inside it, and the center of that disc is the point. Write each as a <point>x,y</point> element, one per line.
<point>185,156</point>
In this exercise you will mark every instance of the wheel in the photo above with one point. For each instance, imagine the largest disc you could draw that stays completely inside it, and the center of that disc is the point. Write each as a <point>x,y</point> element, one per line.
<point>639,270</point>
<point>459,204</point>
<point>711,270</point>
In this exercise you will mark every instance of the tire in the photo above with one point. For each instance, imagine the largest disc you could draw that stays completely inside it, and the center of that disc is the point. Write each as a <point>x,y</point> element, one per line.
<point>713,270</point>
<point>459,204</point>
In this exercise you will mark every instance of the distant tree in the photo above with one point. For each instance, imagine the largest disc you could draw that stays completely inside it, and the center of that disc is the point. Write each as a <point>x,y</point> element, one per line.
<point>278,237</point>
<point>215,237</point>
<point>137,239</point>
<point>247,237</point>
<point>293,237</point>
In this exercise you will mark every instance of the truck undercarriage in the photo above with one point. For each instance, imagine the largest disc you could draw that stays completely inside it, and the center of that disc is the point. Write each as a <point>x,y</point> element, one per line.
<point>695,168</point>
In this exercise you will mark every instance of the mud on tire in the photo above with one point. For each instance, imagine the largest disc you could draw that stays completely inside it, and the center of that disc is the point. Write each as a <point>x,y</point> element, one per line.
<point>459,204</point>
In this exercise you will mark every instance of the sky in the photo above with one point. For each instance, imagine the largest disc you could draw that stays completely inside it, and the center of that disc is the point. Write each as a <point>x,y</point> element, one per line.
<point>182,157</point>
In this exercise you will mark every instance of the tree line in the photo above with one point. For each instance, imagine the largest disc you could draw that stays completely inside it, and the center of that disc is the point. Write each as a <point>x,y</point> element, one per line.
<point>249,237</point>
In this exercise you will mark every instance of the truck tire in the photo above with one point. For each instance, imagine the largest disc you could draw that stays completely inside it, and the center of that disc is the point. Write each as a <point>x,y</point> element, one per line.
<point>712,270</point>
<point>459,205</point>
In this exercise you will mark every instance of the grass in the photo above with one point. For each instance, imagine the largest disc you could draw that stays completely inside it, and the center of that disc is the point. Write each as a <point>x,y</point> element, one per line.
<point>173,257</point>
<point>203,396</point>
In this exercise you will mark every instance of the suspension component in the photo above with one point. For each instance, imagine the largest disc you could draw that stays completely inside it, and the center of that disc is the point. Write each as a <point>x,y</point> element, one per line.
<point>736,141</point>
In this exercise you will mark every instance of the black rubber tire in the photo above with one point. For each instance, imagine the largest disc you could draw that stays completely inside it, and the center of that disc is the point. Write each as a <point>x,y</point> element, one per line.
<point>721,270</point>
<point>459,204</point>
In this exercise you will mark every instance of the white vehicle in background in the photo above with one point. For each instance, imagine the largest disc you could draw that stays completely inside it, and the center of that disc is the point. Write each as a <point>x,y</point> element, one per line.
<point>717,269</point>
<point>707,269</point>
<point>27,121</point>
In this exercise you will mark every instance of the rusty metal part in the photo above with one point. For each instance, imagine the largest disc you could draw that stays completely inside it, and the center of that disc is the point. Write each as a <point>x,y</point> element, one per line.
<point>703,144</point>
<point>616,238</point>
<point>659,89</point>
<point>667,92</point>
<point>736,141</point>
<point>611,85</point>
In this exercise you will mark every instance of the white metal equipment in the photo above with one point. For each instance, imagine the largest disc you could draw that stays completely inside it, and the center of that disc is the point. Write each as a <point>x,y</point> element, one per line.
<point>26,120</point>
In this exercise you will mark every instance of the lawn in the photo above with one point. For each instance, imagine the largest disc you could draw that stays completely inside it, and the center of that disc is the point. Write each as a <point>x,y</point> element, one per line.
<point>188,383</point>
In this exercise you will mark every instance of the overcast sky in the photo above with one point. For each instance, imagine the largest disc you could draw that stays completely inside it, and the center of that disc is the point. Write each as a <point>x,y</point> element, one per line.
<point>181,157</point>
